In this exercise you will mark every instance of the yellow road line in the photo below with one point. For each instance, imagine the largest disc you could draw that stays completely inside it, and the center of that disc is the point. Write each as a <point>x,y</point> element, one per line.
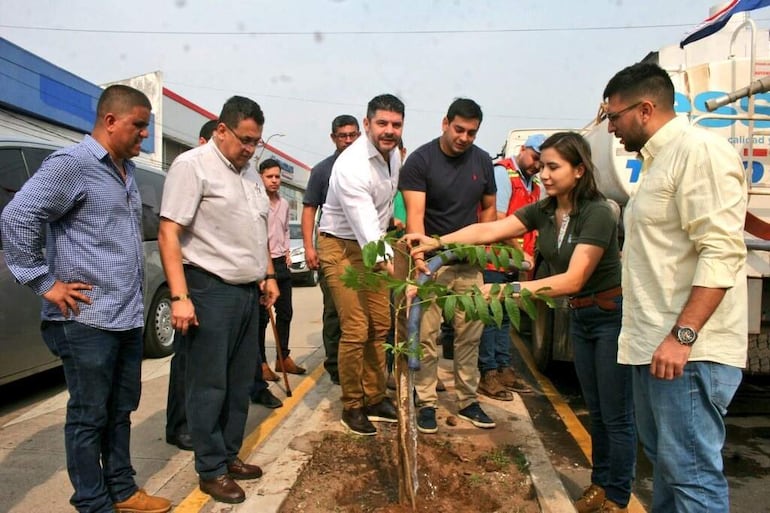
<point>194,502</point>
<point>573,424</point>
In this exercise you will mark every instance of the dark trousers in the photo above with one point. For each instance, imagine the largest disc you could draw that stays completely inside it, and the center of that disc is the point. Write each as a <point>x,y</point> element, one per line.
<point>176,418</point>
<point>283,311</point>
<point>331,330</point>
<point>103,373</point>
<point>607,390</point>
<point>221,357</point>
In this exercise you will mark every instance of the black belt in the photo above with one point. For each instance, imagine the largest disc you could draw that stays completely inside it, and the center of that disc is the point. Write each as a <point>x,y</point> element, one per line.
<point>331,236</point>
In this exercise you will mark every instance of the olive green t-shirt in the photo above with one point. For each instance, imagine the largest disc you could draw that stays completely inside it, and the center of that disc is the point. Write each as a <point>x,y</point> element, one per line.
<point>594,223</point>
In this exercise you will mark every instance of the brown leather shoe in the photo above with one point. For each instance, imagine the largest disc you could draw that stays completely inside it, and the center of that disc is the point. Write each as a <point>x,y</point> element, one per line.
<point>237,469</point>
<point>222,489</point>
<point>268,374</point>
<point>511,381</point>
<point>289,365</point>
<point>591,500</point>
<point>490,386</point>
<point>140,502</point>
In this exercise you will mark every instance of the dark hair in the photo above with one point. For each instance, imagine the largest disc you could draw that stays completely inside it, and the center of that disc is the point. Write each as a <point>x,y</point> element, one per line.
<point>465,108</point>
<point>643,79</point>
<point>386,102</point>
<point>239,108</point>
<point>120,98</point>
<point>344,120</point>
<point>208,128</point>
<point>267,164</point>
<point>573,147</point>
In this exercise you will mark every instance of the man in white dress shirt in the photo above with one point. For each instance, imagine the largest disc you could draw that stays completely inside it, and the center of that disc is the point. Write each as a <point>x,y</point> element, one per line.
<point>358,209</point>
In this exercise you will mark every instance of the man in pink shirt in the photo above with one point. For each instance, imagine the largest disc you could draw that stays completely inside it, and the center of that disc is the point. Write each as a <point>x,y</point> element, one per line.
<point>278,242</point>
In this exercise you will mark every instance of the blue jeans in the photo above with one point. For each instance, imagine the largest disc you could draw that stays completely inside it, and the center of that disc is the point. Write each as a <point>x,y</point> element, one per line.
<point>103,373</point>
<point>495,344</point>
<point>608,394</point>
<point>682,431</point>
<point>221,357</point>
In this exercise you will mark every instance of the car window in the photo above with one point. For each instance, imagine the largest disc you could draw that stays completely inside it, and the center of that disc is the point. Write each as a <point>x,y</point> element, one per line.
<point>13,174</point>
<point>295,231</point>
<point>151,190</point>
<point>35,157</point>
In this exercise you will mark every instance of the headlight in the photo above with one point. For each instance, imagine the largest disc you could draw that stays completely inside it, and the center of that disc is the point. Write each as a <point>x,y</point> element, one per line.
<point>298,252</point>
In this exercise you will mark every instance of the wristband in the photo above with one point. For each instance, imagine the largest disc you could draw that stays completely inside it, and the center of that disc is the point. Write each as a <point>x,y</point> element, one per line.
<point>516,285</point>
<point>180,297</point>
<point>270,276</point>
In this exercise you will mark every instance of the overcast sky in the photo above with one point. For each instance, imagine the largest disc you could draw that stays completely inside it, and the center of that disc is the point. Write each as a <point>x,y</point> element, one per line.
<point>528,64</point>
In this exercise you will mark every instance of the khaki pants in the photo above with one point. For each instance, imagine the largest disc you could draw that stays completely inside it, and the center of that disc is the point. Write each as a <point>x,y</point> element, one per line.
<point>364,321</point>
<point>459,278</point>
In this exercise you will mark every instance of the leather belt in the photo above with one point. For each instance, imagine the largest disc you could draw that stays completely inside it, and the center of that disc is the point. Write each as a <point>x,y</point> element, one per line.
<point>330,236</point>
<point>603,299</point>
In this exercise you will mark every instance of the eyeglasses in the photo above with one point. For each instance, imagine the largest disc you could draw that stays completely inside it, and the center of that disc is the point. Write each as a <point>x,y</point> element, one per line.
<point>246,142</point>
<point>347,135</point>
<point>612,117</point>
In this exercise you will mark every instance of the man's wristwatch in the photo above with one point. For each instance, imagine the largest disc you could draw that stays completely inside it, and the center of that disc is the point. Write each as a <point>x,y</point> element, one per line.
<point>685,335</point>
<point>270,276</point>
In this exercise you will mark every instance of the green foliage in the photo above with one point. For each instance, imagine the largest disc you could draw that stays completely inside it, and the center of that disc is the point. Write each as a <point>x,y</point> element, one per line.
<point>474,304</point>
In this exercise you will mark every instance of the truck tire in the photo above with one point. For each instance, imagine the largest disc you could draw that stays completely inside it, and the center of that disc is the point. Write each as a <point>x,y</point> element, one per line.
<point>541,337</point>
<point>158,333</point>
<point>758,360</point>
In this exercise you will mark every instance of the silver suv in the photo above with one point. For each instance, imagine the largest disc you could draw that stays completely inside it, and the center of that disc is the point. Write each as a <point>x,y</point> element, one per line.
<point>22,350</point>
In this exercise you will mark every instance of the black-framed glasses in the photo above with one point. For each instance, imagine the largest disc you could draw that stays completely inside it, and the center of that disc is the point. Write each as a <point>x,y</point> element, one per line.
<point>612,117</point>
<point>246,142</point>
<point>346,135</point>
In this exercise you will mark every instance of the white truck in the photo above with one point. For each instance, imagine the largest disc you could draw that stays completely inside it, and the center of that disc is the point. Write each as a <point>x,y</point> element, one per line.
<point>704,74</point>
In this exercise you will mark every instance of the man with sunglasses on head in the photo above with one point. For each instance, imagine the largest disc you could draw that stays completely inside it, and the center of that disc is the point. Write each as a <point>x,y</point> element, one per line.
<point>344,132</point>
<point>684,329</point>
<point>213,245</point>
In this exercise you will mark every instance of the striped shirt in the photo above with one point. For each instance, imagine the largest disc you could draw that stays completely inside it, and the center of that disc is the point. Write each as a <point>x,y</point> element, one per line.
<point>91,221</point>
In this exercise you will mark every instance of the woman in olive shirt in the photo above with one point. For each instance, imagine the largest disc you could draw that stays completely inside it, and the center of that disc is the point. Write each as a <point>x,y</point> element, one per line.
<point>578,238</point>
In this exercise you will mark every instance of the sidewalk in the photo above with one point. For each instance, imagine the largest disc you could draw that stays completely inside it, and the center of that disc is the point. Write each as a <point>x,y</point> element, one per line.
<point>285,452</point>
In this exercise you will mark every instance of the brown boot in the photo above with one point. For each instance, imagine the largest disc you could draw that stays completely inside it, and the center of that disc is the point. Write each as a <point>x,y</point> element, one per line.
<point>509,380</point>
<point>591,500</point>
<point>289,365</point>
<point>140,502</point>
<point>268,374</point>
<point>490,386</point>
<point>611,507</point>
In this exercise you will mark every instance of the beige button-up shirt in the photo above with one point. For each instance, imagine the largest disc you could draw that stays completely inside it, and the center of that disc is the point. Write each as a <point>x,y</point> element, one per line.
<point>224,213</point>
<point>684,228</point>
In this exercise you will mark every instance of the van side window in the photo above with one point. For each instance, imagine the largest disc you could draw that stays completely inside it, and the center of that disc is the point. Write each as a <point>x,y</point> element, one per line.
<point>150,187</point>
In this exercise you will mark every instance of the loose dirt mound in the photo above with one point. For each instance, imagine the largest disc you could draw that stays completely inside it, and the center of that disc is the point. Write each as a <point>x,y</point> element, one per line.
<point>354,474</point>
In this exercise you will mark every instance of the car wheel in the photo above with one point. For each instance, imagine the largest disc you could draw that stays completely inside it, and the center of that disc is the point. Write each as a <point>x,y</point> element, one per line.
<point>159,333</point>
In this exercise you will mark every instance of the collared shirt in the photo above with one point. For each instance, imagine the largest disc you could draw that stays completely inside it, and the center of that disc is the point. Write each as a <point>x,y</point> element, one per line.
<point>318,183</point>
<point>278,227</point>
<point>94,235</point>
<point>359,204</point>
<point>224,213</point>
<point>684,228</point>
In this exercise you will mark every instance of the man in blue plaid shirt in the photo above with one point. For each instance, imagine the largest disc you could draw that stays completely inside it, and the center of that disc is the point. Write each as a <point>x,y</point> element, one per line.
<point>83,206</point>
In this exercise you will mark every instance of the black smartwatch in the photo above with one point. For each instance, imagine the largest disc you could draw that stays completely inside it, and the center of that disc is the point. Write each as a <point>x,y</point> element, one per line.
<point>685,335</point>
<point>270,276</point>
